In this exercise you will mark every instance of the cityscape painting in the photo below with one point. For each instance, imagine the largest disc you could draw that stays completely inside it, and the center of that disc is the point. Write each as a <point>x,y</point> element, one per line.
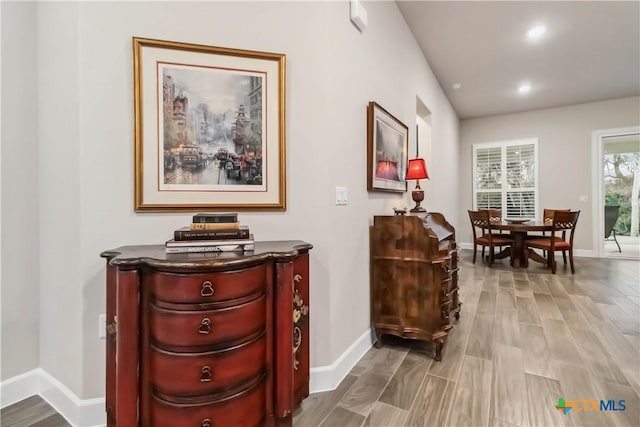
<point>209,127</point>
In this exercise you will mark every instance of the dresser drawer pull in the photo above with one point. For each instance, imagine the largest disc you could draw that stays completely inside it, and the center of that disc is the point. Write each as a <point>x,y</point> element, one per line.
<point>207,289</point>
<point>206,423</point>
<point>205,326</point>
<point>206,374</point>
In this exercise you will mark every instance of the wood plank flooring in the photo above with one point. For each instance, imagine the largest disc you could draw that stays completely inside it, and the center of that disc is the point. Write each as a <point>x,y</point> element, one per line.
<point>33,411</point>
<point>524,339</point>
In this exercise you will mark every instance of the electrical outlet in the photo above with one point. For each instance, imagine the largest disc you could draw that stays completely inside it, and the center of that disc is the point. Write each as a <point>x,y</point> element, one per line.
<point>102,326</point>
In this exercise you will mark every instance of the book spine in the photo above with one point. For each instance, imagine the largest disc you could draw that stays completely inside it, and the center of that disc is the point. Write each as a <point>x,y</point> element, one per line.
<point>235,233</point>
<point>214,225</point>
<point>216,242</point>
<point>215,219</point>
<point>221,248</point>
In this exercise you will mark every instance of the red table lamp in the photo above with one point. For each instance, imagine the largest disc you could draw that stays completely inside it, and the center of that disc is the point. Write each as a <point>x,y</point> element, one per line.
<point>417,170</point>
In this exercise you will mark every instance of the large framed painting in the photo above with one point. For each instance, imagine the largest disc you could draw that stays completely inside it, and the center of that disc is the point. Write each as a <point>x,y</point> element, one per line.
<point>387,145</point>
<point>209,127</point>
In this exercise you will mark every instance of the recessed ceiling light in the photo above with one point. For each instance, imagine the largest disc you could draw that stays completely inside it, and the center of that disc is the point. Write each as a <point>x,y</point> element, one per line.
<point>524,88</point>
<point>536,32</point>
<point>456,86</point>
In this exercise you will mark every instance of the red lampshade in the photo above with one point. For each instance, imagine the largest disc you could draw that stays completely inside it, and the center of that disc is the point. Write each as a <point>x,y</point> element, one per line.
<point>417,169</point>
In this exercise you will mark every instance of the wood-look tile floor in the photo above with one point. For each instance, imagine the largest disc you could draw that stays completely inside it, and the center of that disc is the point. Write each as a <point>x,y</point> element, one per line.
<point>33,411</point>
<point>525,338</point>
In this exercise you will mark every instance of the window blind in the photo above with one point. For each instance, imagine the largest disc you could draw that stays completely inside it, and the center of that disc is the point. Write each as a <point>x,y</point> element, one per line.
<point>505,177</point>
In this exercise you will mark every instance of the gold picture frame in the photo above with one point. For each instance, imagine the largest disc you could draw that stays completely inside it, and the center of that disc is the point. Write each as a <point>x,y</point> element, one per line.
<point>209,128</point>
<point>387,145</point>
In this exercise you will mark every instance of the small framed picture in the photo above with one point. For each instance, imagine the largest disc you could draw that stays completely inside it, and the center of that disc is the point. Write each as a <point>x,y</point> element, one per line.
<point>209,127</point>
<point>387,145</point>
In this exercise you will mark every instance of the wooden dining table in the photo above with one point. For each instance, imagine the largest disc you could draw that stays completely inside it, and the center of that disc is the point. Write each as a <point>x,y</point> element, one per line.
<point>519,231</point>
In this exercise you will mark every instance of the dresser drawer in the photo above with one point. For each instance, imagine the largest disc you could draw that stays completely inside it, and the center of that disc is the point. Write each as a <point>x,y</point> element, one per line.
<point>207,287</point>
<point>184,374</point>
<point>244,409</point>
<point>206,327</point>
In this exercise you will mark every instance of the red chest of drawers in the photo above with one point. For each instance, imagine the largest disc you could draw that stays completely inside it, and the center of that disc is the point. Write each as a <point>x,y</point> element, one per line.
<point>207,340</point>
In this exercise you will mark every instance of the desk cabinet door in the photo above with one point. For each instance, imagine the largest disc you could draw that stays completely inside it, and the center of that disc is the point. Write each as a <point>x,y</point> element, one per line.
<point>402,295</point>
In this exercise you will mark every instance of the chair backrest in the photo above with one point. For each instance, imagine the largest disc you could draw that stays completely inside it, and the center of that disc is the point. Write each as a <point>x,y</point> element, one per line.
<point>565,221</point>
<point>547,215</point>
<point>479,220</point>
<point>611,214</point>
<point>495,215</point>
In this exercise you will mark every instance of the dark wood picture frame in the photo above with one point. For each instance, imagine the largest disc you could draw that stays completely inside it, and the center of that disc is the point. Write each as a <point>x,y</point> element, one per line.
<point>387,151</point>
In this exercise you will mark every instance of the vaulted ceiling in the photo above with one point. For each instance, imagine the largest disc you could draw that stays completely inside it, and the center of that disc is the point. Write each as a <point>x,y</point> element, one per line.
<point>589,52</point>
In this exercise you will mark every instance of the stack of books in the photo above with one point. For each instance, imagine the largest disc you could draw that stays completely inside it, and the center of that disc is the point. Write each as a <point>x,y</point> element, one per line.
<point>211,232</point>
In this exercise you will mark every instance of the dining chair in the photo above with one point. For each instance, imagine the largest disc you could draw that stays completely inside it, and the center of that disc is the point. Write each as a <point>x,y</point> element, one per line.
<point>481,225</point>
<point>495,217</point>
<point>563,222</point>
<point>547,217</point>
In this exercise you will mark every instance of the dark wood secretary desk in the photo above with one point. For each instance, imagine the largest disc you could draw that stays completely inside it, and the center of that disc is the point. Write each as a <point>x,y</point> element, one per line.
<point>414,277</point>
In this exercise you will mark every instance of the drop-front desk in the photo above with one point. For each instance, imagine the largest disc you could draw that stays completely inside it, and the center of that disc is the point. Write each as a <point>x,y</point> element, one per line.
<point>414,277</point>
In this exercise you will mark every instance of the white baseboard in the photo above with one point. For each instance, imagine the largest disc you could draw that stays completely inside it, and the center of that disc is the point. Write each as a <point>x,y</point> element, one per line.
<point>19,388</point>
<point>90,412</point>
<point>324,378</point>
<point>78,412</point>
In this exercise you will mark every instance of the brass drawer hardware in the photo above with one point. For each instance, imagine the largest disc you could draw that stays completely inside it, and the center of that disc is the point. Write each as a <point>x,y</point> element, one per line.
<point>207,289</point>
<point>205,326</point>
<point>206,374</point>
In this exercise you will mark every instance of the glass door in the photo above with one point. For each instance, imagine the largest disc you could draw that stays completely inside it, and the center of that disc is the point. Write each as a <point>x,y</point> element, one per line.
<point>621,193</point>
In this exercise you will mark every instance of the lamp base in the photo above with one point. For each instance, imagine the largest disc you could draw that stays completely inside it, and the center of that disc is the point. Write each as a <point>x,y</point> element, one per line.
<point>418,196</point>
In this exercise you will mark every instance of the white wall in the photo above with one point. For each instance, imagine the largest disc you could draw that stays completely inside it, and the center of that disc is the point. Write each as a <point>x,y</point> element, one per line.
<point>61,152</point>
<point>565,147</point>
<point>86,150</point>
<point>383,64</point>
<point>20,261</point>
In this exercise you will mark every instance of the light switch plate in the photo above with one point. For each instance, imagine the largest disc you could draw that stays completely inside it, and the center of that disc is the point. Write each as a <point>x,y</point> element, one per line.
<point>341,195</point>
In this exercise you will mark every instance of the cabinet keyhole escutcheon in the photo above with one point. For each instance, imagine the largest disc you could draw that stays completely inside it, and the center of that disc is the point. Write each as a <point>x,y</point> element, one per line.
<point>206,374</point>
<point>206,423</point>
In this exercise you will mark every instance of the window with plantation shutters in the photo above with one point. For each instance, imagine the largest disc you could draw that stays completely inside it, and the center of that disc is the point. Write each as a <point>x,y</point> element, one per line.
<point>505,176</point>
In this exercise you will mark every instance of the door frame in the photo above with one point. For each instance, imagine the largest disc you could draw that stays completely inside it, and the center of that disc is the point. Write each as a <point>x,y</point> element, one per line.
<point>597,176</point>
